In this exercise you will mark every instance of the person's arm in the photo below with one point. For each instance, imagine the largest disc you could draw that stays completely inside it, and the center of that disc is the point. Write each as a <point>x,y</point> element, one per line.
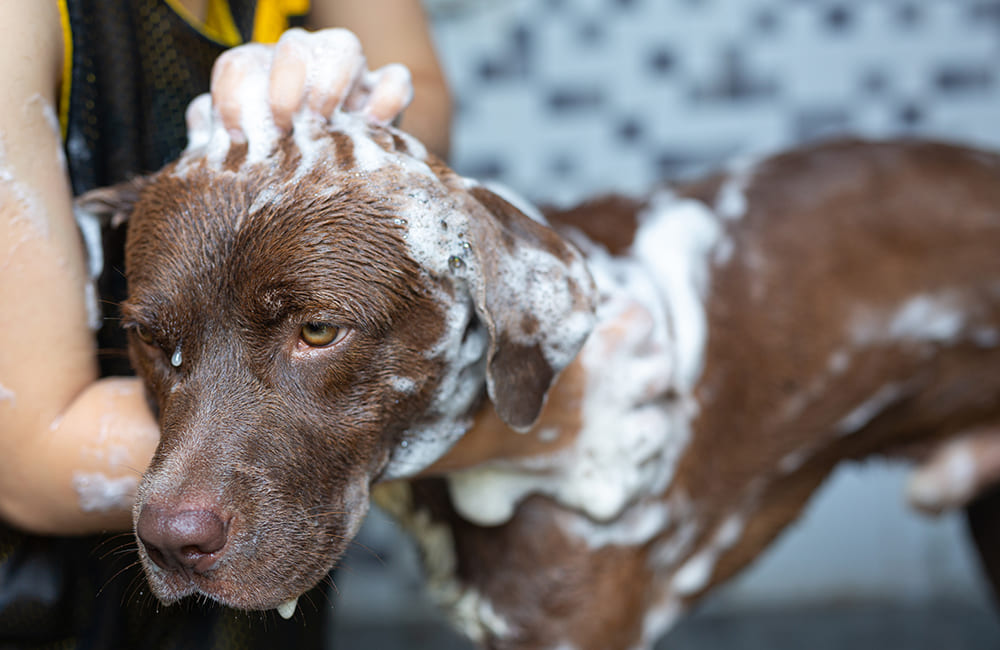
<point>69,444</point>
<point>396,31</point>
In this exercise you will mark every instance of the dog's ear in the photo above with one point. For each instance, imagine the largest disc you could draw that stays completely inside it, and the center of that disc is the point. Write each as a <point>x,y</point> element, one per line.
<point>536,298</point>
<point>111,206</point>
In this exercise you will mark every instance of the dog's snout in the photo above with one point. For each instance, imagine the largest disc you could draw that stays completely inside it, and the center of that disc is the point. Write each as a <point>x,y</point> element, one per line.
<point>182,540</point>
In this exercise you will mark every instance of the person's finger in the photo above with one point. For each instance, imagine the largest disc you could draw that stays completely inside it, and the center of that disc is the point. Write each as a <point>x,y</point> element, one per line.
<point>287,82</point>
<point>233,81</point>
<point>198,117</point>
<point>335,66</point>
<point>391,92</point>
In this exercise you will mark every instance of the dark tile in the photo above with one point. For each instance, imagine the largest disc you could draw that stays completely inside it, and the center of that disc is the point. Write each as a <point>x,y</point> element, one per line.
<point>959,78</point>
<point>767,21</point>
<point>671,164</point>
<point>563,100</point>
<point>514,62</point>
<point>630,130</point>
<point>838,18</point>
<point>909,15</point>
<point>735,82</point>
<point>662,60</point>
<point>816,123</point>
<point>522,36</point>
<point>875,82</point>
<point>487,168</point>
<point>591,33</point>
<point>911,115</point>
<point>985,11</point>
<point>562,166</point>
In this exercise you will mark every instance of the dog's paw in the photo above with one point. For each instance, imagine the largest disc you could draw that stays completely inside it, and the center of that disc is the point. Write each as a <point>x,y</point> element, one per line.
<point>957,472</point>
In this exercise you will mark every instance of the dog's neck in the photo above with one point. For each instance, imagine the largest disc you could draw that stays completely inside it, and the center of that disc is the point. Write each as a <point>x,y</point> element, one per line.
<point>638,404</point>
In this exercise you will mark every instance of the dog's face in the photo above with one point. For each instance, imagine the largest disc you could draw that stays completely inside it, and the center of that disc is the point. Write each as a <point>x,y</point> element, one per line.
<point>313,322</point>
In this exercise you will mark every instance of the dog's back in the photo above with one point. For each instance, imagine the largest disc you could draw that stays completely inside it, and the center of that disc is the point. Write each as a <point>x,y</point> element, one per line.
<point>826,304</point>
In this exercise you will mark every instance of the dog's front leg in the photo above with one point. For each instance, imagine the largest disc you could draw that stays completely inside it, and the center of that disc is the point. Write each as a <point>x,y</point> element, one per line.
<point>528,584</point>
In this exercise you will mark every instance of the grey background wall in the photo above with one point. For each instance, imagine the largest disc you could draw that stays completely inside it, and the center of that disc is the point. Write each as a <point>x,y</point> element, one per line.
<point>562,99</point>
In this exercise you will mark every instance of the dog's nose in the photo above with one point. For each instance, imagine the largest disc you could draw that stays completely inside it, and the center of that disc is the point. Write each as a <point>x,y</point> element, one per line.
<point>181,540</point>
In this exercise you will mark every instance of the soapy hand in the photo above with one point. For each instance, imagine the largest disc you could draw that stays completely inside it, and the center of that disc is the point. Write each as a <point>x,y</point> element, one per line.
<point>313,72</point>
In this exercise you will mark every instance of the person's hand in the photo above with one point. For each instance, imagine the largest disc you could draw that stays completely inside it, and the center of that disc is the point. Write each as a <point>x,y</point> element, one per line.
<point>306,73</point>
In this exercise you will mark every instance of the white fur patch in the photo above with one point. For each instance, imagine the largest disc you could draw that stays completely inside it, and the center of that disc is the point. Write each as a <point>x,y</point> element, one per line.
<point>676,241</point>
<point>90,229</point>
<point>731,200</point>
<point>658,619</point>
<point>458,389</point>
<point>404,385</point>
<point>632,433</point>
<point>948,481</point>
<point>931,318</point>
<point>868,410</point>
<point>638,524</point>
<point>696,573</point>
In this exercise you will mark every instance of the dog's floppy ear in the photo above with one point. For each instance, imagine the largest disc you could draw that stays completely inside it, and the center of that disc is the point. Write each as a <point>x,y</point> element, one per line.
<point>536,298</point>
<point>110,206</point>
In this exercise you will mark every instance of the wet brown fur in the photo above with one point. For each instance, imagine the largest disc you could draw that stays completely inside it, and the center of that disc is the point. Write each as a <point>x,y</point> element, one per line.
<point>828,228</point>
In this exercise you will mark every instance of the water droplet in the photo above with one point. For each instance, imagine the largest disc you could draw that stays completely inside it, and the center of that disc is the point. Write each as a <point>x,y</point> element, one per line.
<point>456,263</point>
<point>466,246</point>
<point>404,444</point>
<point>176,360</point>
<point>399,222</point>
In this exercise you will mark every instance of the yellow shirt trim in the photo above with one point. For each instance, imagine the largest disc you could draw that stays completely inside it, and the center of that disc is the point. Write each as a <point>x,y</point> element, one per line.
<point>272,17</point>
<point>270,20</point>
<point>220,33</point>
<point>67,73</point>
<point>219,19</point>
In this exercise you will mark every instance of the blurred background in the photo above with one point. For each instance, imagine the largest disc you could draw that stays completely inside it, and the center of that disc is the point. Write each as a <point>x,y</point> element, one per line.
<point>565,99</point>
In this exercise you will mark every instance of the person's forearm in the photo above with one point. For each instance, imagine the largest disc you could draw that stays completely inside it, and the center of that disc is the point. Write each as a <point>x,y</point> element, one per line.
<point>80,472</point>
<point>428,117</point>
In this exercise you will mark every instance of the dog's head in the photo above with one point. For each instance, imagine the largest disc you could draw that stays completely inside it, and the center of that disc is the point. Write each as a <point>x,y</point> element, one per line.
<point>314,320</point>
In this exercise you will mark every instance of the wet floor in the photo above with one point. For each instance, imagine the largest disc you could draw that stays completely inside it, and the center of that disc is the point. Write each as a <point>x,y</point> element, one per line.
<point>881,627</point>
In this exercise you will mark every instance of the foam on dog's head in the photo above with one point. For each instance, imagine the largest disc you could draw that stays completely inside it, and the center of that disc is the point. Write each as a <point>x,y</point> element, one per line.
<point>528,289</point>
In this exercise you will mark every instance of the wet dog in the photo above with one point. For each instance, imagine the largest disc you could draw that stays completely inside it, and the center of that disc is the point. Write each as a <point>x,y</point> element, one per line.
<point>337,309</point>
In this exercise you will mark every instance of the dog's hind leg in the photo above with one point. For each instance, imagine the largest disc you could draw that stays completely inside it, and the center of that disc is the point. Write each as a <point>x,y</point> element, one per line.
<point>983,516</point>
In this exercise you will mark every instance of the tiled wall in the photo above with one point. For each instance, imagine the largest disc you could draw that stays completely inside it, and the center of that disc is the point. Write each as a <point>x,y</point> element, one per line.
<point>562,99</point>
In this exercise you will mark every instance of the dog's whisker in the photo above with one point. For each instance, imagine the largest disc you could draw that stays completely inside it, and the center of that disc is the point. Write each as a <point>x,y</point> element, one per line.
<point>356,544</point>
<point>117,574</point>
<point>123,549</point>
<point>117,537</point>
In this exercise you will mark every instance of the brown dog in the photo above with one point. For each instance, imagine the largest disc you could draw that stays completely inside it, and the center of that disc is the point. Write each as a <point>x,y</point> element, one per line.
<point>324,318</point>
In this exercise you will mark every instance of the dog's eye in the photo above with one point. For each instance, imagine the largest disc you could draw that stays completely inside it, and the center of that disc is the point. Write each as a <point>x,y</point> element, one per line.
<point>320,335</point>
<point>144,334</point>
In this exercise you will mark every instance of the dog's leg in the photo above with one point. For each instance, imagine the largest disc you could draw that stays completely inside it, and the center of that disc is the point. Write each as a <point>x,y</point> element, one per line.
<point>983,516</point>
<point>957,472</point>
<point>528,584</point>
